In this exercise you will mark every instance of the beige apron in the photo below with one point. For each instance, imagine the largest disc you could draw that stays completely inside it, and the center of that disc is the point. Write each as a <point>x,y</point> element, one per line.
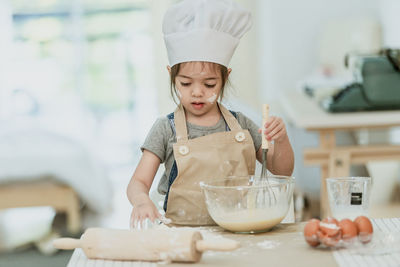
<point>206,158</point>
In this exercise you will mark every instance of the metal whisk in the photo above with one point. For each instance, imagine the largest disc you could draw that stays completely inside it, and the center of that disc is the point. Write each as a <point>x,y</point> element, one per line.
<point>264,146</point>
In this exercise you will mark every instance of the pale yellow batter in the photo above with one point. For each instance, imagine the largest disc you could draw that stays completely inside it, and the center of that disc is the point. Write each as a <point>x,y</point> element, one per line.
<point>252,220</point>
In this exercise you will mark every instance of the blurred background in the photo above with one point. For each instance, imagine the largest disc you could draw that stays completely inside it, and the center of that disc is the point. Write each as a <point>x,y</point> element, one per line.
<point>82,82</point>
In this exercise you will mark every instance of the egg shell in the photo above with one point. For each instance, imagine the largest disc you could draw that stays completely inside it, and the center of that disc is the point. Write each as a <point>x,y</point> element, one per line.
<point>330,227</point>
<point>310,232</point>
<point>365,228</point>
<point>349,229</point>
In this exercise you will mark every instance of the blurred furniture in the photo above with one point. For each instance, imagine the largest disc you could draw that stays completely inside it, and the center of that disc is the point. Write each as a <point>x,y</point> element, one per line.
<point>335,160</point>
<point>39,167</point>
<point>43,193</point>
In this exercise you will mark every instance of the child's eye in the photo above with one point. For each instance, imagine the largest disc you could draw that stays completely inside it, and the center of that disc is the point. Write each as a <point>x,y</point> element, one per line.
<point>185,84</point>
<point>210,85</point>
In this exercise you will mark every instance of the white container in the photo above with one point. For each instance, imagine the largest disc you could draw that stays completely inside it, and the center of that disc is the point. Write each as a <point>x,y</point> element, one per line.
<point>349,196</point>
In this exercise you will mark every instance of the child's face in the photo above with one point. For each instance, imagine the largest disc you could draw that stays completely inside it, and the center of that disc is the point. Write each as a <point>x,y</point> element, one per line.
<point>198,86</point>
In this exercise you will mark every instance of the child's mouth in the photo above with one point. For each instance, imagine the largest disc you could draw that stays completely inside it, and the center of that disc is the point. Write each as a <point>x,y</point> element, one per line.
<point>197,105</point>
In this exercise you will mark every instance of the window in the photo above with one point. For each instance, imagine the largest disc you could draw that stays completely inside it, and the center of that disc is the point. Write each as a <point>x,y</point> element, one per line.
<point>73,60</point>
<point>86,48</point>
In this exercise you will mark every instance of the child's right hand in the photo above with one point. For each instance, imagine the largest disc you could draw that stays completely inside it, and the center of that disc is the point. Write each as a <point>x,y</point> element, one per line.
<point>143,211</point>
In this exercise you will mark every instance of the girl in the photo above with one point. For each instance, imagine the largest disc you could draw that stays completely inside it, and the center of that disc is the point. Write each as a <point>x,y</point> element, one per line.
<point>201,140</point>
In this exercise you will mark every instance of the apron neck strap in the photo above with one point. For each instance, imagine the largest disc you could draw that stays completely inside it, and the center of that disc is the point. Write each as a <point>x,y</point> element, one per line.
<point>232,122</point>
<point>180,122</point>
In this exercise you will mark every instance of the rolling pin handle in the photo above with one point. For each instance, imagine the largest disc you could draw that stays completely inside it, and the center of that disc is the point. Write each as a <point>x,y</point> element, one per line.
<point>67,243</point>
<point>217,245</point>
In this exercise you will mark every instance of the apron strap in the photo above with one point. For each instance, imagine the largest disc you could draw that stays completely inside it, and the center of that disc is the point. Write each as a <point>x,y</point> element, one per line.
<point>180,122</point>
<point>232,122</point>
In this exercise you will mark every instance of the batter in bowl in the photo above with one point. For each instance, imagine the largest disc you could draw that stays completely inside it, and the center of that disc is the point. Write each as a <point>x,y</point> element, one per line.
<point>251,220</point>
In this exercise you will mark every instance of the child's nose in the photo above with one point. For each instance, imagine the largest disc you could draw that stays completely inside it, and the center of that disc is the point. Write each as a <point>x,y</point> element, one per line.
<point>197,91</point>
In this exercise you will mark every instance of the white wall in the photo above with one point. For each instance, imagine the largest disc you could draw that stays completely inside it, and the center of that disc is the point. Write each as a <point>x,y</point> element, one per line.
<point>289,32</point>
<point>390,18</point>
<point>164,101</point>
<point>5,45</point>
<point>244,75</point>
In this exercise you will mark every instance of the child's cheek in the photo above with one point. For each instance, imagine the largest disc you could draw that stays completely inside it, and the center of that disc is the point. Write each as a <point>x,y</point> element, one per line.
<point>212,98</point>
<point>178,93</point>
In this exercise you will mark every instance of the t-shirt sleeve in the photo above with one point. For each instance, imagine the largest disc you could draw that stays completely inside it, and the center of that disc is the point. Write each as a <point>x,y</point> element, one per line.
<point>157,139</point>
<point>250,125</point>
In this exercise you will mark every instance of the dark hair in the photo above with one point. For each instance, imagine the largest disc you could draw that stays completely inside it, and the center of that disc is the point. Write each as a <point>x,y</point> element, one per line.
<point>175,70</point>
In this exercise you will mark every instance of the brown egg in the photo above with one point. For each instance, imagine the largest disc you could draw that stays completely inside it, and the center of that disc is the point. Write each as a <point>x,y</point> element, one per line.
<point>365,228</point>
<point>310,232</point>
<point>348,228</point>
<point>330,227</point>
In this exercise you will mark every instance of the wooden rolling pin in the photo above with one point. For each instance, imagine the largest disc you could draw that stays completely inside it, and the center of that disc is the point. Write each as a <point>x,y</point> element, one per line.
<point>178,245</point>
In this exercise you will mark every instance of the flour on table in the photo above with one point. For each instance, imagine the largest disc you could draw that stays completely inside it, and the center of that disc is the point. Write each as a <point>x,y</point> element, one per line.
<point>268,244</point>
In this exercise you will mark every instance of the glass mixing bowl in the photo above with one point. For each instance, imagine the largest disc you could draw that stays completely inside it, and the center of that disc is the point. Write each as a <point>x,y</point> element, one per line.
<point>248,204</point>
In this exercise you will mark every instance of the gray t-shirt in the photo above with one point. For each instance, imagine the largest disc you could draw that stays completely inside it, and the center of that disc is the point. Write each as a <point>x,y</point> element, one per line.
<point>161,138</point>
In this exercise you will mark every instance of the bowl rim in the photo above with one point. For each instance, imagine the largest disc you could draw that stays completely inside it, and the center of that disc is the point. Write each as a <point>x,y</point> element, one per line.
<point>291,180</point>
<point>349,179</point>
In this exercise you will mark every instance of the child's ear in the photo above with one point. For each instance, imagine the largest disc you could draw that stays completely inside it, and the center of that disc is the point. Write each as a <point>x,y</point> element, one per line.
<point>169,69</point>
<point>229,71</point>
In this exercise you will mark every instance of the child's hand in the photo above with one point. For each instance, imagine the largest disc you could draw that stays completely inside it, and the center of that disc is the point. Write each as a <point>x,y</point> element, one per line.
<point>143,211</point>
<point>275,129</point>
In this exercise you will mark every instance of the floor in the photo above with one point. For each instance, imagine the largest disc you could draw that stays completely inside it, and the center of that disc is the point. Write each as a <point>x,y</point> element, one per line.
<point>33,258</point>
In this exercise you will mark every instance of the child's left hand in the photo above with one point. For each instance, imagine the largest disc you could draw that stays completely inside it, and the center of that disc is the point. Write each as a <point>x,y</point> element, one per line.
<point>275,129</point>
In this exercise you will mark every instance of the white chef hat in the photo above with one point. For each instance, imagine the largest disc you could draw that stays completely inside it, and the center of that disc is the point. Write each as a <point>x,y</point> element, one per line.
<point>204,30</point>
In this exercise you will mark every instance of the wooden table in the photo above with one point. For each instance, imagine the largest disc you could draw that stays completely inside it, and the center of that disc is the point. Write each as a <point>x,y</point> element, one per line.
<point>304,112</point>
<point>284,245</point>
